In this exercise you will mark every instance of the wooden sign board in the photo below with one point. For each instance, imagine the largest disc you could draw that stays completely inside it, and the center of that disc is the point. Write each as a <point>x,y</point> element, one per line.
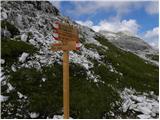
<point>71,45</point>
<point>56,48</point>
<point>68,33</point>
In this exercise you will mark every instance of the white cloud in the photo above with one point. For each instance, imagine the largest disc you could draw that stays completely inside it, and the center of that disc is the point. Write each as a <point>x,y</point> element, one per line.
<point>130,26</point>
<point>88,7</point>
<point>117,26</point>
<point>152,8</point>
<point>121,8</point>
<point>152,37</point>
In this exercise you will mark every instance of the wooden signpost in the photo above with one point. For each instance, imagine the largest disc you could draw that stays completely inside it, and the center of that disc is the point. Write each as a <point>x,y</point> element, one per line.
<point>67,35</point>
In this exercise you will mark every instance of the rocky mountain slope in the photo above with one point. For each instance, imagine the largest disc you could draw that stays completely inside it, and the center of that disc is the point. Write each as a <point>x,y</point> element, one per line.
<point>105,81</point>
<point>133,44</point>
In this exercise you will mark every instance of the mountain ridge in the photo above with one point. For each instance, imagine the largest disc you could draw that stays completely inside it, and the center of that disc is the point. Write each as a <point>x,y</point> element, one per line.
<point>133,44</point>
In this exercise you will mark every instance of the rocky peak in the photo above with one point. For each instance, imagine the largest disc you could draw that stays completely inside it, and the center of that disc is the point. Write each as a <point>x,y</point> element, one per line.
<point>44,6</point>
<point>129,42</point>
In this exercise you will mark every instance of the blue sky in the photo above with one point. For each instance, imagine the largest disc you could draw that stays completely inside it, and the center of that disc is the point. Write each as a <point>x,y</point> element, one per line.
<point>138,18</point>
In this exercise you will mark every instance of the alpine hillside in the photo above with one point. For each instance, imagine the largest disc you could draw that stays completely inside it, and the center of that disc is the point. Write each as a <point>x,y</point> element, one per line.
<point>106,81</point>
<point>128,42</point>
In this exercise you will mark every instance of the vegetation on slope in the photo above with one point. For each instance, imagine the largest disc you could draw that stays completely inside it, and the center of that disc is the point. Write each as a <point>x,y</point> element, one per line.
<point>45,98</point>
<point>87,98</point>
<point>11,49</point>
<point>10,27</point>
<point>137,73</point>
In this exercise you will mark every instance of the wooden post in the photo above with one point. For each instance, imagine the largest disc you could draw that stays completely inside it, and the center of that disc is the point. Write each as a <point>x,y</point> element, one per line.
<point>68,36</point>
<point>66,84</point>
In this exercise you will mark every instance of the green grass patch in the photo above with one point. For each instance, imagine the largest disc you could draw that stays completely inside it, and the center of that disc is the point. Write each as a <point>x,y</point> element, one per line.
<point>87,99</point>
<point>45,97</point>
<point>10,27</point>
<point>136,73</point>
<point>12,49</point>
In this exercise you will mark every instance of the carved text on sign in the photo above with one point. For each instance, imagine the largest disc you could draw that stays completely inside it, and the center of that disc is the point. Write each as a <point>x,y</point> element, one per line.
<point>71,45</point>
<point>67,34</point>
